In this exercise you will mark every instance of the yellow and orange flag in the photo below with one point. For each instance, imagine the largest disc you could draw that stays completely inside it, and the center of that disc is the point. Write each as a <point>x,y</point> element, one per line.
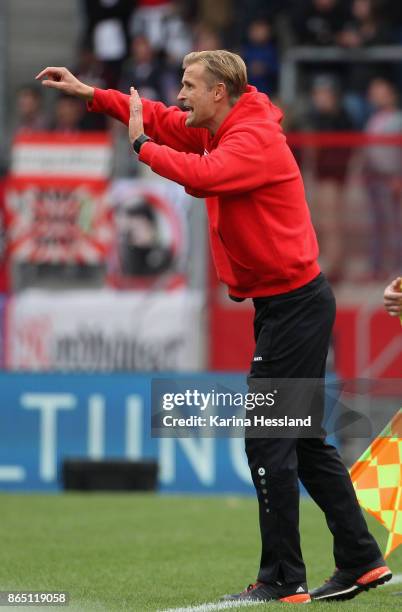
<point>377,478</point>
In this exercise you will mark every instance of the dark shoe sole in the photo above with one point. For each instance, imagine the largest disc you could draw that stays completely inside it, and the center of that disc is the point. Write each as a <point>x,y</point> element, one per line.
<point>363,584</point>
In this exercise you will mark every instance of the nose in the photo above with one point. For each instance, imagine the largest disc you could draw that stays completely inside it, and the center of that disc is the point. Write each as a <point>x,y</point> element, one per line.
<point>180,95</point>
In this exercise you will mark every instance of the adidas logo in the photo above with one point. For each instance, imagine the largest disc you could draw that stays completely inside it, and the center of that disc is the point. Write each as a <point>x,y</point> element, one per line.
<point>300,589</point>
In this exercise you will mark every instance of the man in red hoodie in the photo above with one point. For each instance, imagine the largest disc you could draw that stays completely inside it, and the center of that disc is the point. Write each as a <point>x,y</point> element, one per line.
<point>229,148</point>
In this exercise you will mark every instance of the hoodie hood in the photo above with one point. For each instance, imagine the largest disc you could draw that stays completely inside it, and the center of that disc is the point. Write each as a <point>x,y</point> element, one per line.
<point>252,108</point>
<point>261,104</point>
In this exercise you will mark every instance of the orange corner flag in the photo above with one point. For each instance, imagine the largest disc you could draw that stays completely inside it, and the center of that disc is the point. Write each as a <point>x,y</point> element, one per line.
<point>377,479</point>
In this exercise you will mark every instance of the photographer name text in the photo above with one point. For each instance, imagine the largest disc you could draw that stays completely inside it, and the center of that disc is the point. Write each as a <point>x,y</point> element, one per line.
<point>216,421</point>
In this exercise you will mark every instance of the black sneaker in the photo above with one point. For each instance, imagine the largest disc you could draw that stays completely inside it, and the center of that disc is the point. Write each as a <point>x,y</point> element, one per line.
<point>346,584</point>
<point>260,591</point>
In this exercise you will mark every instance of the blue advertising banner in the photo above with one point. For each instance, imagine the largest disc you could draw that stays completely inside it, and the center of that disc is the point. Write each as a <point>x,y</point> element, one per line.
<point>46,418</point>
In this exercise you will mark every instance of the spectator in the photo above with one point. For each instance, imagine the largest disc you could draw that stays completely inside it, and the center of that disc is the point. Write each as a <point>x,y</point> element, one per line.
<point>327,114</point>
<point>162,24</point>
<point>261,57</point>
<point>217,16</point>
<point>383,171</point>
<point>149,18</point>
<point>393,11</point>
<point>68,115</point>
<point>206,38</point>
<point>142,69</point>
<point>151,72</point>
<point>107,33</point>
<point>246,11</point>
<point>90,69</point>
<point>170,37</point>
<point>318,22</point>
<point>30,117</point>
<point>367,27</point>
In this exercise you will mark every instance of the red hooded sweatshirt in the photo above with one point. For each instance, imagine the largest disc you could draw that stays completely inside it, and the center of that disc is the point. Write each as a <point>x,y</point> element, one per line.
<point>262,239</point>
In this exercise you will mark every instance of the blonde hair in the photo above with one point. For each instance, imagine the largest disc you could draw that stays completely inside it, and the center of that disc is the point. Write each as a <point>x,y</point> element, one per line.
<point>223,66</point>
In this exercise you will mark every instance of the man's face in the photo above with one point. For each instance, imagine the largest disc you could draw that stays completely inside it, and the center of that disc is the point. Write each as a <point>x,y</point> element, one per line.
<point>325,99</point>
<point>28,104</point>
<point>381,95</point>
<point>197,96</point>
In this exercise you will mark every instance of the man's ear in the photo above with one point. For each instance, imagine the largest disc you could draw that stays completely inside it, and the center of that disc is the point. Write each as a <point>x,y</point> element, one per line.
<point>220,91</point>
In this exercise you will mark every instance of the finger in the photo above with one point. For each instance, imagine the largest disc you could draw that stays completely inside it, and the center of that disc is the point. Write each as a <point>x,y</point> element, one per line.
<point>135,105</point>
<point>43,73</point>
<point>391,295</point>
<point>394,313</point>
<point>132,97</point>
<point>54,84</point>
<point>396,284</point>
<point>393,308</point>
<point>50,70</point>
<point>393,303</point>
<point>135,96</point>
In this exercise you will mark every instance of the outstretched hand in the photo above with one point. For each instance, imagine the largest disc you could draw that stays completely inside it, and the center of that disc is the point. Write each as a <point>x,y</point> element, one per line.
<point>393,297</point>
<point>136,124</point>
<point>60,78</point>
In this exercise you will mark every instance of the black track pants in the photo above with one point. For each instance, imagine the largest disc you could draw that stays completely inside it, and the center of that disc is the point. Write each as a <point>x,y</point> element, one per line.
<point>292,333</point>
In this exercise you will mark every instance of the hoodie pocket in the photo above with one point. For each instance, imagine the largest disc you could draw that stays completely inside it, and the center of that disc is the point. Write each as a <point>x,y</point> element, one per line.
<point>245,274</point>
<point>232,256</point>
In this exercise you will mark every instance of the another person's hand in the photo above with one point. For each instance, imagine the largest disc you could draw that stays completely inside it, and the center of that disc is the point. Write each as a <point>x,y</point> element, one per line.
<point>136,124</point>
<point>393,298</point>
<point>60,78</point>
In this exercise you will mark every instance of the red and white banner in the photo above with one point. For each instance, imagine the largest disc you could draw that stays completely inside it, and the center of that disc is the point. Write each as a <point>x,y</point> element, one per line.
<point>105,330</point>
<point>55,200</point>
<point>151,234</point>
<point>51,154</point>
<point>4,273</point>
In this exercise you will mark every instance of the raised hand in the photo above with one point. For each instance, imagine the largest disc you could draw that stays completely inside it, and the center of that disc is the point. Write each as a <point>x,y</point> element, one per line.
<point>393,298</point>
<point>135,125</point>
<point>60,78</point>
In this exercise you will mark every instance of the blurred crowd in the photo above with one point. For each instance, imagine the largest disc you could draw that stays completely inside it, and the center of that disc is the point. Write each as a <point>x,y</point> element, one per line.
<point>125,42</point>
<point>142,43</point>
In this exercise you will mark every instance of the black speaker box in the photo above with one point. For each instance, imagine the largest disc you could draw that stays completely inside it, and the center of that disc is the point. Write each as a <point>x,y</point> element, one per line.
<point>109,475</point>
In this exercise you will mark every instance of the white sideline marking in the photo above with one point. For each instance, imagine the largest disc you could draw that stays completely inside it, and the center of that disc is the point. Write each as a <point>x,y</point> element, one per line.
<point>397,579</point>
<point>211,607</point>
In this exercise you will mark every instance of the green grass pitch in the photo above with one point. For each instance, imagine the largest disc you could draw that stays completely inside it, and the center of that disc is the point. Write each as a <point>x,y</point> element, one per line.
<point>153,552</point>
